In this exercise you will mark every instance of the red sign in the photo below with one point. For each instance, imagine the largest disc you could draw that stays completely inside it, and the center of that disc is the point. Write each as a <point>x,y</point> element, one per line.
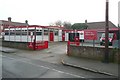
<point>39,45</point>
<point>90,35</point>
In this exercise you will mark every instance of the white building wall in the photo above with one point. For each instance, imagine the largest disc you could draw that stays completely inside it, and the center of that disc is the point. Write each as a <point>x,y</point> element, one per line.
<point>60,35</point>
<point>12,38</point>
<point>17,38</point>
<point>38,38</point>
<point>24,38</point>
<point>29,38</point>
<point>66,36</point>
<point>6,38</point>
<point>45,38</point>
<point>81,35</point>
<point>56,38</point>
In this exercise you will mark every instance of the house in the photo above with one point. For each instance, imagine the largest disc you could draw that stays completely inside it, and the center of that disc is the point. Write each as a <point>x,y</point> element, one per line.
<point>7,23</point>
<point>99,25</point>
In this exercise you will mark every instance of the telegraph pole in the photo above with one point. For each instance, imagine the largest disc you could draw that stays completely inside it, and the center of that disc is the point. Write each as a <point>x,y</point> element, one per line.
<point>118,37</point>
<point>35,38</point>
<point>106,55</point>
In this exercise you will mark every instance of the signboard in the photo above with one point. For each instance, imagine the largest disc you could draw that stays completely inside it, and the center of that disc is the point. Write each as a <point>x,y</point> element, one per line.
<point>90,35</point>
<point>39,45</point>
<point>81,34</point>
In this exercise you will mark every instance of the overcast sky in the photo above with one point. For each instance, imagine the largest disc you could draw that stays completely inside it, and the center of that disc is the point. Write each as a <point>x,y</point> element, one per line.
<point>44,12</point>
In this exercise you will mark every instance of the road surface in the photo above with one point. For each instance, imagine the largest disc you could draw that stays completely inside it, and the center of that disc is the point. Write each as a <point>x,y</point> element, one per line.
<point>42,64</point>
<point>17,67</point>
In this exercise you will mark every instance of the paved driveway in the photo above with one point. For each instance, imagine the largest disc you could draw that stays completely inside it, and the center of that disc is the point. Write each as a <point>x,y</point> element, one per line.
<point>53,54</point>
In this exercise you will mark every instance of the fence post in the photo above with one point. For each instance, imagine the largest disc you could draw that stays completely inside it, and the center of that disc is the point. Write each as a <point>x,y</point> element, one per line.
<point>68,46</point>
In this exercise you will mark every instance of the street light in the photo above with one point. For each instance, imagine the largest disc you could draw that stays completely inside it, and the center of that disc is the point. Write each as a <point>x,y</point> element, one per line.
<point>106,55</point>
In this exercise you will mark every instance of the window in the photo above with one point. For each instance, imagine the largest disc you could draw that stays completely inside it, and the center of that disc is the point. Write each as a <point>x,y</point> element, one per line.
<point>24,33</point>
<point>32,30</point>
<point>37,30</point>
<point>38,33</point>
<point>56,33</point>
<point>45,32</point>
<point>12,33</point>
<point>6,33</point>
<point>18,33</point>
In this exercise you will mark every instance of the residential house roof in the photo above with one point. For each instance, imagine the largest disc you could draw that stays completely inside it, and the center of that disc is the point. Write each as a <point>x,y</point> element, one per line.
<point>99,25</point>
<point>5,23</point>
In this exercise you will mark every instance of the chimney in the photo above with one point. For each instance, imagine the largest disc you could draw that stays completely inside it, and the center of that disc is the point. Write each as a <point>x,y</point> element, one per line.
<point>9,19</point>
<point>26,21</point>
<point>85,21</point>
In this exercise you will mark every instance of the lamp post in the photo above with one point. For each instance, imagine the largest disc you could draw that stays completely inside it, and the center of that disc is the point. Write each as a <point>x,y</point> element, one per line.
<point>106,54</point>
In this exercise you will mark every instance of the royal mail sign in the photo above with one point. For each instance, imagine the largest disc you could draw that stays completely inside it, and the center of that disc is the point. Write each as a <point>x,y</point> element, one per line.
<point>90,35</point>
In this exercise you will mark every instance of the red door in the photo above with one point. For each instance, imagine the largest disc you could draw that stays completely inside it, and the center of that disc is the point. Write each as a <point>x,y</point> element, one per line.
<point>51,37</point>
<point>63,36</point>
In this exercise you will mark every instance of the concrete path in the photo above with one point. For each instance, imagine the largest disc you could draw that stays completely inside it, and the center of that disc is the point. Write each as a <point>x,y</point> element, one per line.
<point>91,65</point>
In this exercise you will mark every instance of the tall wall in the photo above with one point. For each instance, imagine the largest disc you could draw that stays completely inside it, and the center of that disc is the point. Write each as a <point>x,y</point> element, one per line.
<point>96,53</point>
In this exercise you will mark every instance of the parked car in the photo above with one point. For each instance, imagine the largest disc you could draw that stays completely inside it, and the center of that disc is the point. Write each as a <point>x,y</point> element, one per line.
<point>111,37</point>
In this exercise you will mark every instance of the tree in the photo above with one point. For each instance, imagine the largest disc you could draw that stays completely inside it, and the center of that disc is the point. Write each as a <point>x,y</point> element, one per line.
<point>79,26</point>
<point>51,24</point>
<point>67,25</point>
<point>58,23</point>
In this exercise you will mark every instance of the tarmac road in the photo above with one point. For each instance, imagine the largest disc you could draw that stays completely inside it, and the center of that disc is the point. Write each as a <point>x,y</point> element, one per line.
<point>17,67</point>
<point>14,68</point>
<point>42,64</point>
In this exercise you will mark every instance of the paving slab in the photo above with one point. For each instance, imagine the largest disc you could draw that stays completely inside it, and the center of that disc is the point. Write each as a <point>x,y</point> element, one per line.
<point>92,65</point>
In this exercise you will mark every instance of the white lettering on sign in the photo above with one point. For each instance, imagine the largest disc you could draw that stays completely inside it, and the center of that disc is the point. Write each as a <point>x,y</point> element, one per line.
<point>90,35</point>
